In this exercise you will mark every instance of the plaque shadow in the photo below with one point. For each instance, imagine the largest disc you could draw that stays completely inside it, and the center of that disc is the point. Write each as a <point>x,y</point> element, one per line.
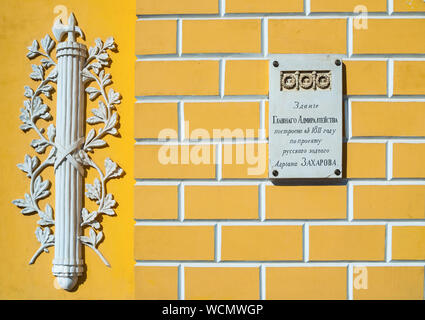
<point>310,182</point>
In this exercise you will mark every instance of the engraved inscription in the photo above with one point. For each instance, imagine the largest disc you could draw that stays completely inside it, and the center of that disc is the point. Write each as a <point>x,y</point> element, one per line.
<point>305,117</point>
<point>305,80</point>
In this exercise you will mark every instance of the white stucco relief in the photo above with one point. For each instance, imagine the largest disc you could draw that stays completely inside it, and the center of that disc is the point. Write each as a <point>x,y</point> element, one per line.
<point>75,71</point>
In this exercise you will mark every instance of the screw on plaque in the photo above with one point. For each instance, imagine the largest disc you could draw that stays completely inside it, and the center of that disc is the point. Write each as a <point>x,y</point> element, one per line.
<point>275,64</point>
<point>337,172</point>
<point>275,173</point>
<point>338,62</point>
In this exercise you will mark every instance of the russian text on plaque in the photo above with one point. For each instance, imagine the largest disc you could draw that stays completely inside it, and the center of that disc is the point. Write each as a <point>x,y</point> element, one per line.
<point>305,116</point>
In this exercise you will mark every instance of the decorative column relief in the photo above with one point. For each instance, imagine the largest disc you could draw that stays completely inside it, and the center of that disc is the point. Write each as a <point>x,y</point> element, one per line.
<point>74,69</point>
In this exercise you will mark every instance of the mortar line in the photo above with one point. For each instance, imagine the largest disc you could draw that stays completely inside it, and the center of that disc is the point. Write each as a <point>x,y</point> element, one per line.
<point>364,140</point>
<point>218,162</point>
<point>227,141</point>
<point>217,247</point>
<point>307,7</point>
<point>255,98</point>
<point>388,242</point>
<point>180,190</point>
<point>263,116</point>
<point>390,78</point>
<point>179,40</point>
<point>306,14</point>
<point>256,222</point>
<point>141,142</point>
<point>148,99</point>
<point>253,222</point>
<point>350,281</point>
<point>250,182</point>
<point>420,98</point>
<point>350,36</point>
<point>277,264</point>
<point>222,75</point>
<point>180,128</point>
<point>222,7</point>
<point>181,288</point>
<point>390,7</point>
<point>389,160</point>
<point>350,201</point>
<point>265,56</point>
<point>262,282</point>
<point>199,182</point>
<point>262,202</point>
<point>264,37</point>
<point>306,240</point>
<point>411,140</point>
<point>383,56</point>
<point>349,121</point>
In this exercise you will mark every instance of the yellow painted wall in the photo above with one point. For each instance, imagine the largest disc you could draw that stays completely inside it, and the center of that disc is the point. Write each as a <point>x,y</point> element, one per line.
<point>21,21</point>
<point>295,241</point>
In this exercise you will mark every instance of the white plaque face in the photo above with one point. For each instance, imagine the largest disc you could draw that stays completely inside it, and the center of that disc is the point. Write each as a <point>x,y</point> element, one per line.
<point>305,116</point>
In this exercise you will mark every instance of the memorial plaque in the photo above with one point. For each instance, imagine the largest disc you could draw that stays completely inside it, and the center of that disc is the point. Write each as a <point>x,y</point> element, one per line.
<point>305,116</point>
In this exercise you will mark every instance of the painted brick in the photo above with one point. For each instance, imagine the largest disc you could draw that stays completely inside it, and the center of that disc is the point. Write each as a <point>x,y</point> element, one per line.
<point>221,202</point>
<point>156,283</point>
<point>310,283</point>
<point>392,283</point>
<point>347,5</point>
<point>155,202</point>
<point>390,36</point>
<point>221,283</point>
<point>408,77</point>
<point>408,243</point>
<point>223,115</point>
<point>366,160</point>
<point>389,202</point>
<point>306,202</point>
<point>261,243</point>
<point>174,243</point>
<point>254,6</point>
<point>176,78</point>
<point>151,118</point>
<point>244,161</point>
<point>365,77</point>
<point>409,6</point>
<point>156,36</point>
<point>148,165</point>
<point>307,36</point>
<point>347,243</point>
<point>409,160</point>
<point>247,77</point>
<point>250,77</point>
<point>375,118</point>
<point>148,7</point>
<point>222,36</point>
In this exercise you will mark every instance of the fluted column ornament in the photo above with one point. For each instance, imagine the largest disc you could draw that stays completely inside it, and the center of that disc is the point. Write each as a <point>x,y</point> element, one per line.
<point>73,70</point>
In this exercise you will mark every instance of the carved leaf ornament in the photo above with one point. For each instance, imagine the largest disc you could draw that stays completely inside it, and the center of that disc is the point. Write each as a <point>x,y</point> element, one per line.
<point>50,75</point>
